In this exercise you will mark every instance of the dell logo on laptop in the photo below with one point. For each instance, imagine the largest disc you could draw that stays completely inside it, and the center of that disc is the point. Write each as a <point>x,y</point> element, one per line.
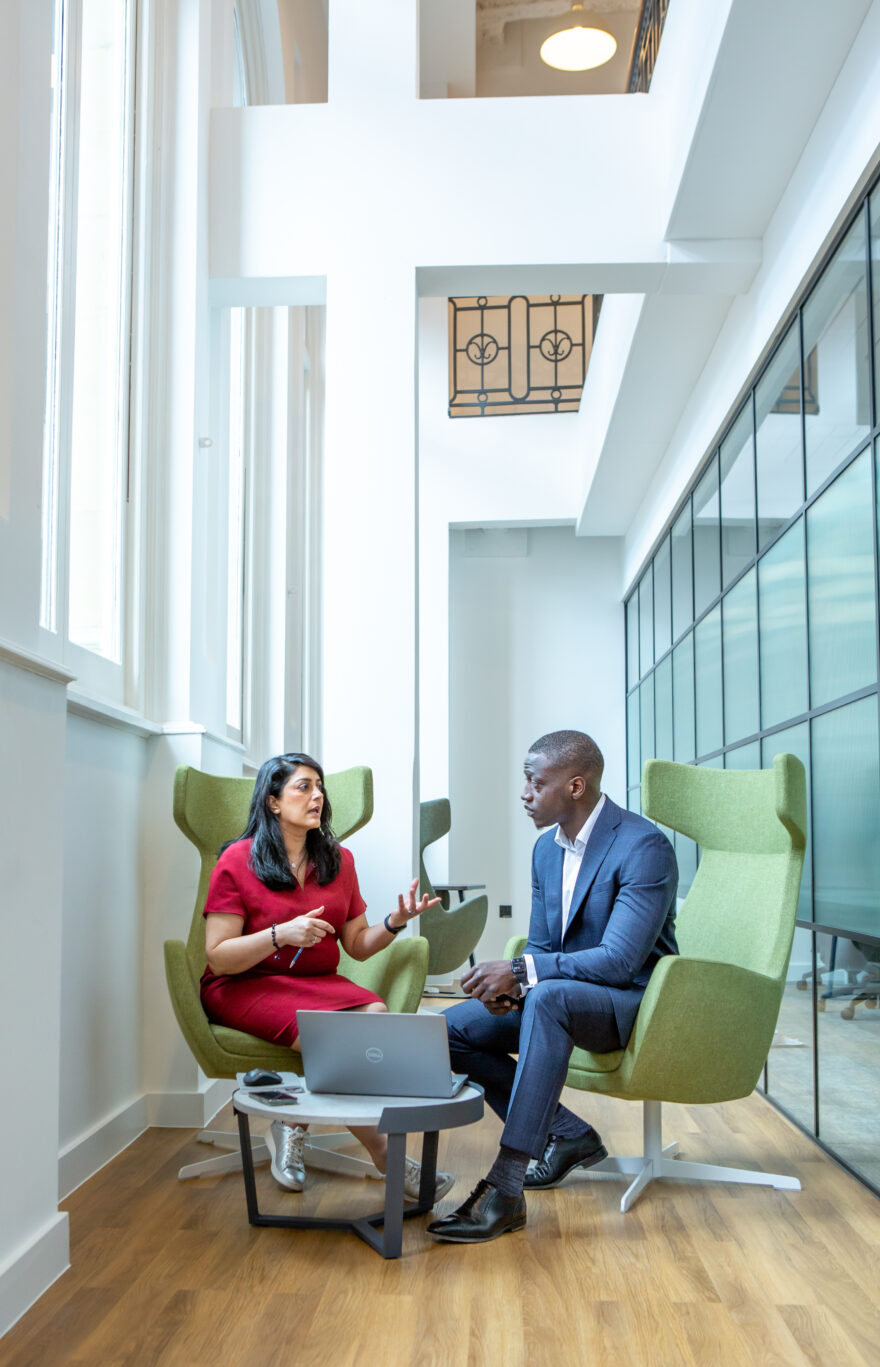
<point>374,1055</point>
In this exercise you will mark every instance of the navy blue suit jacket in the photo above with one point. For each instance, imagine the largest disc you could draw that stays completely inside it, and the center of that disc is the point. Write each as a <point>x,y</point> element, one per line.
<point>622,910</point>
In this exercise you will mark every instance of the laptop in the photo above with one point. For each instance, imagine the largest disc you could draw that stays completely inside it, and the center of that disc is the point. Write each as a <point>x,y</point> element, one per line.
<point>372,1053</point>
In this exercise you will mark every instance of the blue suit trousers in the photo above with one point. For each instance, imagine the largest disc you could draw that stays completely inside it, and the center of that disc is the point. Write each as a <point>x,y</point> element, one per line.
<point>555,1015</point>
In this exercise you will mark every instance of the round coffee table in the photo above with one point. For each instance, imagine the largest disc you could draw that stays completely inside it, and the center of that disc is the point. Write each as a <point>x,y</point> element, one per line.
<point>395,1116</point>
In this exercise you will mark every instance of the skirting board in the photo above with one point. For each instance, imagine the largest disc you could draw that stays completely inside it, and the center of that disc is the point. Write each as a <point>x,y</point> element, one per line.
<point>30,1271</point>
<point>81,1159</point>
<point>86,1155</point>
<point>188,1110</point>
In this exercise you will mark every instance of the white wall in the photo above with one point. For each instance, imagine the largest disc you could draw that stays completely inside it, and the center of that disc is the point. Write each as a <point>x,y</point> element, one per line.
<point>101,949</point>
<point>175,1089</point>
<point>536,645</point>
<point>499,471</point>
<point>485,595</point>
<point>33,1235</point>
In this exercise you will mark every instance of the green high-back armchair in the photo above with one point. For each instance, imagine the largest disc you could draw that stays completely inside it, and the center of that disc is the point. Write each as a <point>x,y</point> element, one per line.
<point>210,810</point>
<point>708,1015</point>
<point>452,932</point>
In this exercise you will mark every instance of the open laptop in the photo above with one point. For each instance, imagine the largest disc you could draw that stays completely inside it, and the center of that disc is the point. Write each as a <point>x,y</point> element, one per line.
<point>372,1053</point>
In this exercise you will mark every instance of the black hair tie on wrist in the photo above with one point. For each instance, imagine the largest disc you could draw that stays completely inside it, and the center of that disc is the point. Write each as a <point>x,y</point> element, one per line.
<point>392,930</point>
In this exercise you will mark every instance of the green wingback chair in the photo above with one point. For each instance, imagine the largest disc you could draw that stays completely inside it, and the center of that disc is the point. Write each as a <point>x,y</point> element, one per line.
<point>211,809</point>
<point>452,933</point>
<point>708,1015</point>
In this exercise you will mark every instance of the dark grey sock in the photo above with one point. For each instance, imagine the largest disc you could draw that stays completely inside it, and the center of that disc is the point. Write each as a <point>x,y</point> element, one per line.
<point>566,1125</point>
<point>507,1173</point>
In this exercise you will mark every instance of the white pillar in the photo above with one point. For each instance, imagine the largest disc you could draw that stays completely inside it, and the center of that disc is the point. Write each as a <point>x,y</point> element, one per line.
<point>369,535</point>
<point>369,525</point>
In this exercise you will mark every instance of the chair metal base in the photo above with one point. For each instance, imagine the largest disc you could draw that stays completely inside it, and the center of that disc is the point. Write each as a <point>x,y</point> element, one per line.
<point>658,1161</point>
<point>319,1151</point>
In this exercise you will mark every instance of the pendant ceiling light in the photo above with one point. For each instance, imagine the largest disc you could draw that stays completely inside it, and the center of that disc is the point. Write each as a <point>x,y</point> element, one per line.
<point>577,48</point>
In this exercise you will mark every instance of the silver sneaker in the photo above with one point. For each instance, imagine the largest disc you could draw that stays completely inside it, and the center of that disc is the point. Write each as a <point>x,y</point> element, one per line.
<point>412,1178</point>
<point>285,1144</point>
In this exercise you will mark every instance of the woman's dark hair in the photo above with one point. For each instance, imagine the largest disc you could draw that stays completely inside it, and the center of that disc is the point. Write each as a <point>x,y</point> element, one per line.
<point>269,859</point>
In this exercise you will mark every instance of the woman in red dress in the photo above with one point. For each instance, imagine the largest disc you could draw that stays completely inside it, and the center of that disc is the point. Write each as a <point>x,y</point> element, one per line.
<point>280,900</point>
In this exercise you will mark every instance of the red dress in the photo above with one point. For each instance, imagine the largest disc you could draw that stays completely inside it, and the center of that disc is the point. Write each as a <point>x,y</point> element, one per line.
<point>264,1000</point>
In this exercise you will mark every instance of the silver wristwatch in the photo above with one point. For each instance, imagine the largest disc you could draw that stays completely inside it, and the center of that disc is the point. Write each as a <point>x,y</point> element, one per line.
<point>519,970</point>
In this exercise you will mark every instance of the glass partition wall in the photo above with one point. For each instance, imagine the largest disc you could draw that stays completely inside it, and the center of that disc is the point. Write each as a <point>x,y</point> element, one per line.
<point>754,630</point>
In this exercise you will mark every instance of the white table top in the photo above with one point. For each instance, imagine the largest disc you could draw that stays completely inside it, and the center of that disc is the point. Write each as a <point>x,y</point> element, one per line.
<point>327,1108</point>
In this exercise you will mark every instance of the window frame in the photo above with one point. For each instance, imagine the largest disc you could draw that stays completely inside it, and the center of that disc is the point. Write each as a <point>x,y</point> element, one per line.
<point>116,680</point>
<point>235,730</point>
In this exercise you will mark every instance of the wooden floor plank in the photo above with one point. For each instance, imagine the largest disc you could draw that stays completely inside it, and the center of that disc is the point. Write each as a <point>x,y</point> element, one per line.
<point>170,1274</point>
<point>824,1337</point>
<point>715,1340</point>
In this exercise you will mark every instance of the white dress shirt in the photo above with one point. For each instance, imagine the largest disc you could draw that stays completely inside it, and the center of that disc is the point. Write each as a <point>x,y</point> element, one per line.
<point>571,867</point>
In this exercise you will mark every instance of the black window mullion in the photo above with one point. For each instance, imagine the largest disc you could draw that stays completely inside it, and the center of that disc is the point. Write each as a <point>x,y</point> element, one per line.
<point>815,996</point>
<point>806,528</point>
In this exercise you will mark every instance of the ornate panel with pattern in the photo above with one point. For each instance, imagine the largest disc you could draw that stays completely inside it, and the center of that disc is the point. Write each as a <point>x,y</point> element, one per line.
<point>518,354</point>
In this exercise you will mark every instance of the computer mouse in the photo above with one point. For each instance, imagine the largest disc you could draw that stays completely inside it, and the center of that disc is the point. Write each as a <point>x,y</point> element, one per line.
<point>261,1077</point>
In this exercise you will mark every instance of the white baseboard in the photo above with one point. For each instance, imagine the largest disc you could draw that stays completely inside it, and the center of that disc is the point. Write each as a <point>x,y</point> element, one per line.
<point>31,1270</point>
<point>86,1155</point>
<point>188,1110</point>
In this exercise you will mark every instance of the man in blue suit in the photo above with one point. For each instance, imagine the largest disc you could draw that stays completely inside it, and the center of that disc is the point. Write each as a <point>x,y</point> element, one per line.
<point>603,908</point>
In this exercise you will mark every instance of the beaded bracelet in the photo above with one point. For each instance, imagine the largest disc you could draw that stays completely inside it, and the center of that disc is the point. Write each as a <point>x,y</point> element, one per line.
<point>274,941</point>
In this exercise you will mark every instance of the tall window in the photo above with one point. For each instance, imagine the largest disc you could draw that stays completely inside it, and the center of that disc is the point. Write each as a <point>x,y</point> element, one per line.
<point>780,651</point>
<point>236,516</point>
<point>48,606</point>
<point>86,461</point>
<point>237,448</point>
<point>239,74</point>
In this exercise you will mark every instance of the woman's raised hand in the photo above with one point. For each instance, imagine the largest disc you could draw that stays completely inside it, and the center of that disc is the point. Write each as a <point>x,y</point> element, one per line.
<point>305,930</point>
<point>408,907</point>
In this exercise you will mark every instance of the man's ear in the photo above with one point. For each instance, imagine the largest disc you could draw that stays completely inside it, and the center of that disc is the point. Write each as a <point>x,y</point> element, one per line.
<point>576,786</point>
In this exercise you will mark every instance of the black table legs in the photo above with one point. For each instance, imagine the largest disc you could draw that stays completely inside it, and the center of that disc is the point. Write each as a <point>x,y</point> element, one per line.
<point>389,1240</point>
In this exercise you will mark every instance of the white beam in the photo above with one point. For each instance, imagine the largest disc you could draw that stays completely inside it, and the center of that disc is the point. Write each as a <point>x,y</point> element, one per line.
<point>774,71</point>
<point>632,405</point>
<point>449,182</point>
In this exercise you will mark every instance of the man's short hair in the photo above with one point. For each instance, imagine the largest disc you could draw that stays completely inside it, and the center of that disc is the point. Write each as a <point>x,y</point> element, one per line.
<point>571,750</point>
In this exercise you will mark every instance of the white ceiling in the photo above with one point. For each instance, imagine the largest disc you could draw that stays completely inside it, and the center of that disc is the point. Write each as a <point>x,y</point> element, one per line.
<point>734,166</point>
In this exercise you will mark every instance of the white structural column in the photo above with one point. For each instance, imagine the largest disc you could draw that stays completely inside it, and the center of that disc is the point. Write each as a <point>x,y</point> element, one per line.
<point>369,528</point>
<point>369,554</point>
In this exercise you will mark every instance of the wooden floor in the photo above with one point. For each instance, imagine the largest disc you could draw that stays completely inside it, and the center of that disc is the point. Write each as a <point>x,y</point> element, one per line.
<point>168,1274</point>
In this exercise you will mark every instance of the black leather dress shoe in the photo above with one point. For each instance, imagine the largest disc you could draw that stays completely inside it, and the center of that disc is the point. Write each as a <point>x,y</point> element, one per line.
<point>561,1157</point>
<point>483,1216</point>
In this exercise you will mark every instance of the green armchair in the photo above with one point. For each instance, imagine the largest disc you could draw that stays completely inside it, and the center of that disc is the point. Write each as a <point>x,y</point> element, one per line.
<point>210,810</point>
<point>708,1015</point>
<point>452,935</point>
